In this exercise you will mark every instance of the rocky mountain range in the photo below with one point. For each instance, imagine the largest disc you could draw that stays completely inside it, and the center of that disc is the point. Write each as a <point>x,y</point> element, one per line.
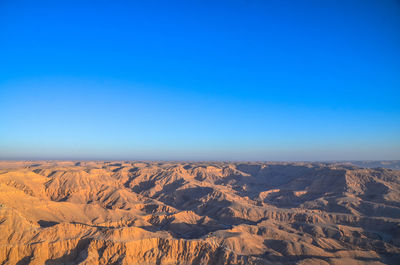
<point>130,212</point>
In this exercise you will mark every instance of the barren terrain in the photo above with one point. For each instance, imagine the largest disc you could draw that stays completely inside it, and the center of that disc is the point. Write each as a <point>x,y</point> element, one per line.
<point>71,212</point>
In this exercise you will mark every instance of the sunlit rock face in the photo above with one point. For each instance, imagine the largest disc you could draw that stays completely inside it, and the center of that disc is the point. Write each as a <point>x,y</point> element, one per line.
<point>198,213</point>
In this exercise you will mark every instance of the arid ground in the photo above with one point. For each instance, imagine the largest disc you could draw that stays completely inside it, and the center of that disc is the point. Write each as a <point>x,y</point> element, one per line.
<point>71,212</point>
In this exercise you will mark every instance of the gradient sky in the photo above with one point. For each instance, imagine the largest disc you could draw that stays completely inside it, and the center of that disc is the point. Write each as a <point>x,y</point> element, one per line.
<point>200,80</point>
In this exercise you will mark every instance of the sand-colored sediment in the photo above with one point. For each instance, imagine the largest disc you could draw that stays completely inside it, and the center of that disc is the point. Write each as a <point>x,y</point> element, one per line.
<point>71,212</point>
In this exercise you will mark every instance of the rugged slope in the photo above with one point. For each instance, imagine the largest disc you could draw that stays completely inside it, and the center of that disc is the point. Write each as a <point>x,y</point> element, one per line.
<point>198,213</point>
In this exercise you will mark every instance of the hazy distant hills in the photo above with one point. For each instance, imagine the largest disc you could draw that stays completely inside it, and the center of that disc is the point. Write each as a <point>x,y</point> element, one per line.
<point>199,213</point>
<point>392,164</point>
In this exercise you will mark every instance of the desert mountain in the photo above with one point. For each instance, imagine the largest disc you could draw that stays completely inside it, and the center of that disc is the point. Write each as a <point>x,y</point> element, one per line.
<point>198,213</point>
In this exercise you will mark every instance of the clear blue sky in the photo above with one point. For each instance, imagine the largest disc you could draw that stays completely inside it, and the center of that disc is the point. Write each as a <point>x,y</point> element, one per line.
<point>200,80</point>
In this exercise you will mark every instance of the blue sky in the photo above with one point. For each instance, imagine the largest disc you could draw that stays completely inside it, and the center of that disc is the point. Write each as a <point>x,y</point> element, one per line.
<point>200,80</point>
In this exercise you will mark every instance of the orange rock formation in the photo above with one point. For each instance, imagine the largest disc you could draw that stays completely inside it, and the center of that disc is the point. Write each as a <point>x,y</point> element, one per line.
<point>198,213</point>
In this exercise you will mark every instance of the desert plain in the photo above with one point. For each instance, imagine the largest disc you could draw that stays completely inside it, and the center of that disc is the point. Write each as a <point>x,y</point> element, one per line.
<point>149,212</point>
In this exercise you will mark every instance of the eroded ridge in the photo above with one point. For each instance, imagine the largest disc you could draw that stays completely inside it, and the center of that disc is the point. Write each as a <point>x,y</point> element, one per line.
<point>128,212</point>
